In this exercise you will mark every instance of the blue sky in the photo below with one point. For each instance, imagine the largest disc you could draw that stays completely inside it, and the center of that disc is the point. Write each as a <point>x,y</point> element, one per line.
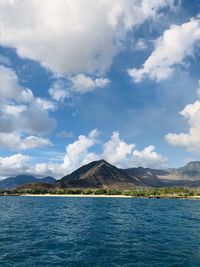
<point>112,79</point>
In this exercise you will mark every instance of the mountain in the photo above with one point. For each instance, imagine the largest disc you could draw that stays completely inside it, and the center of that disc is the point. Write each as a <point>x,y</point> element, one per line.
<point>102,174</point>
<point>12,182</point>
<point>99,174</point>
<point>47,180</point>
<point>191,169</point>
<point>188,176</point>
<point>146,176</point>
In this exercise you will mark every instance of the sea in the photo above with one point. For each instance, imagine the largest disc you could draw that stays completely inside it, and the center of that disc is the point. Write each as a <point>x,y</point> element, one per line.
<point>80,232</point>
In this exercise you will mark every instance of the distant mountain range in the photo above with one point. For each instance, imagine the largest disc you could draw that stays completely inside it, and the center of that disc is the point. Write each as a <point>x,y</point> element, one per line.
<point>102,174</point>
<point>98,174</point>
<point>12,182</point>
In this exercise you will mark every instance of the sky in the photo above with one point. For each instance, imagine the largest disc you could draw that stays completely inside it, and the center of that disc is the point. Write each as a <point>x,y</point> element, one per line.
<point>86,80</point>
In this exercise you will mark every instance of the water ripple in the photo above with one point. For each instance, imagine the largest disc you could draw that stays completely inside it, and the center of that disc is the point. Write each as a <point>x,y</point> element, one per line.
<point>99,232</point>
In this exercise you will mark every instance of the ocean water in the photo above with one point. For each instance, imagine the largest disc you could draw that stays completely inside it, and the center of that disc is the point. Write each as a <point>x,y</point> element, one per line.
<point>56,231</point>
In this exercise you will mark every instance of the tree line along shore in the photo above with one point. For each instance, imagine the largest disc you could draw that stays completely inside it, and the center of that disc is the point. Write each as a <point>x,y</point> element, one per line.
<point>167,192</point>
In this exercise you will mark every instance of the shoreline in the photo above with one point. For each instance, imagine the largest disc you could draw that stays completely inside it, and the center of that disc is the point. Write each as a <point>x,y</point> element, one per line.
<point>105,196</point>
<point>75,195</point>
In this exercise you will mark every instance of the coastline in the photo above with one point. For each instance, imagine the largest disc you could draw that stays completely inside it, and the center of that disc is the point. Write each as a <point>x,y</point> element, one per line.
<point>108,196</point>
<point>75,195</point>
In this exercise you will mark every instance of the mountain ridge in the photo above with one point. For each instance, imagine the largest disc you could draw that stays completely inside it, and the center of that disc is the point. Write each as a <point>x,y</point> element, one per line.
<point>19,180</point>
<point>98,174</point>
<point>187,176</point>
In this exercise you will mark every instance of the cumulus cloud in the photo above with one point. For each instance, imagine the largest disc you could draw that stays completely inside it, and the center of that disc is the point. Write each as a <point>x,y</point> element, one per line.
<point>60,90</point>
<point>171,49</point>
<point>148,157</point>
<point>190,140</point>
<point>15,142</point>
<point>82,83</point>
<point>122,154</point>
<point>15,164</point>
<point>77,154</point>
<point>10,88</point>
<point>116,151</point>
<point>20,110</point>
<point>78,151</point>
<point>65,88</point>
<point>22,113</point>
<point>97,27</point>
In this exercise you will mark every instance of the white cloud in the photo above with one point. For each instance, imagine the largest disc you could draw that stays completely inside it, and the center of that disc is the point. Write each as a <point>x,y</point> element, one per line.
<point>82,83</point>
<point>59,90</point>
<point>116,151</point>
<point>91,157</point>
<point>69,88</point>
<point>20,110</point>
<point>10,88</point>
<point>178,42</point>
<point>73,36</point>
<point>78,151</point>
<point>15,142</point>
<point>77,154</point>
<point>148,157</point>
<point>141,44</point>
<point>190,140</point>
<point>30,118</point>
<point>13,165</point>
<point>44,104</point>
<point>124,155</point>
<point>13,110</point>
<point>21,114</point>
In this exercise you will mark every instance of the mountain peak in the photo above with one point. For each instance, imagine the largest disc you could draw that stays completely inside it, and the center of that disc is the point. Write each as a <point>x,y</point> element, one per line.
<point>191,168</point>
<point>97,174</point>
<point>101,161</point>
<point>193,163</point>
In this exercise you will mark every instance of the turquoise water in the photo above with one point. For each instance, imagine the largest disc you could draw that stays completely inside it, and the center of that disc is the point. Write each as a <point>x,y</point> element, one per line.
<point>50,231</point>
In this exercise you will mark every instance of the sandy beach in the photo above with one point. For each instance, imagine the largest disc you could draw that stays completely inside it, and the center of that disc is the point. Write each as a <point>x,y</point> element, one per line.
<point>87,196</point>
<point>108,196</point>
